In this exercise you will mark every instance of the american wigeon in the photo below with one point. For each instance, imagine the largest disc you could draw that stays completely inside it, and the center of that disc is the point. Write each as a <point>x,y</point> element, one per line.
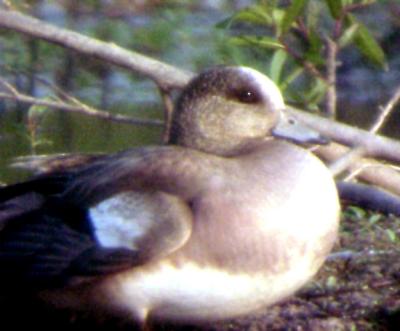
<point>224,220</point>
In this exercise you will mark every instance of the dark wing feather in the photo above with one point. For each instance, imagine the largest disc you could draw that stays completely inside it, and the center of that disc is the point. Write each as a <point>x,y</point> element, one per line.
<point>47,238</point>
<point>38,250</point>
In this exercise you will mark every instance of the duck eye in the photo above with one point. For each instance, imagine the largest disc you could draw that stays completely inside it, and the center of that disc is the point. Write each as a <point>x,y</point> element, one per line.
<point>247,96</point>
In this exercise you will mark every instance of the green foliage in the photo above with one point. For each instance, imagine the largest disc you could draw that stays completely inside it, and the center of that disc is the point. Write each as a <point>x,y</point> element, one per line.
<point>335,8</point>
<point>36,115</point>
<point>255,15</point>
<point>348,35</point>
<point>392,235</point>
<point>355,213</point>
<point>292,13</point>
<point>294,34</point>
<point>366,43</point>
<point>14,51</point>
<point>278,60</point>
<point>331,281</point>
<point>259,41</point>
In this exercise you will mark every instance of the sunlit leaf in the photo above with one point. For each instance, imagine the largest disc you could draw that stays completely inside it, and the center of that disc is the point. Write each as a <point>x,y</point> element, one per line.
<point>348,35</point>
<point>36,112</point>
<point>367,44</point>
<point>355,212</point>
<point>254,14</point>
<point>331,282</point>
<point>391,234</point>
<point>291,14</point>
<point>263,42</point>
<point>374,218</point>
<point>276,66</point>
<point>278,14</point>
<point>41,143</point>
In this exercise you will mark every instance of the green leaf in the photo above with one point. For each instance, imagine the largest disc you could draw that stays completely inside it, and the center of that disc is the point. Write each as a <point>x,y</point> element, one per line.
<point>374,218</point>
<point>41,143</point>
<point>276,66</point>
<point>291,77</point>
<point>291,14</point>
<point>263,42</point>
<point>254,15</point>
<point>314,50</point>
<point>335,7</point>
<point>331,282</point>
<point>36,112</point>
<point>367,44</point>
<point>348,35</point>
<point>317,92</point>
<point>355,212</point>
<point>391,234</point>
<point>277,15</point>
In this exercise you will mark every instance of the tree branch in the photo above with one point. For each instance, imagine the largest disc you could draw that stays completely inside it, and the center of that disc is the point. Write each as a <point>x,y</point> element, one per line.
<point>163,74</point>
<point>368,170</point>
<point>375,145</point>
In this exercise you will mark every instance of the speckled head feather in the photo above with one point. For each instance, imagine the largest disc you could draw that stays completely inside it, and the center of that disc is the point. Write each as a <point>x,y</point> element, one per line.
<point>234,93</point>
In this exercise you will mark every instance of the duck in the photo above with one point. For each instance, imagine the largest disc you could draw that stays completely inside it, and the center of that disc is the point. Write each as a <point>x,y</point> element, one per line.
<point>233,215</point>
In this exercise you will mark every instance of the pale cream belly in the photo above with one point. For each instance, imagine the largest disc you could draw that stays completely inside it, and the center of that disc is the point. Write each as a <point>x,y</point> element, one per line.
<point>201,294</point>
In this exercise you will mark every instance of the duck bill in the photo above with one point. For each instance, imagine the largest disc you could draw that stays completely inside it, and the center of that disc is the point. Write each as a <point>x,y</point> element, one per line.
<point>290,129</point>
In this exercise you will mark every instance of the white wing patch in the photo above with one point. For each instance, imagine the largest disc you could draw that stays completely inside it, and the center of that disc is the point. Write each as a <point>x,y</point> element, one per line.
<point>122,220</point>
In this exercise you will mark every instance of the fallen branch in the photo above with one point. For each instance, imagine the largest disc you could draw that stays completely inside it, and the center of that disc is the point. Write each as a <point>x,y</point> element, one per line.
<point>375,145</point>
<point>372,171</point>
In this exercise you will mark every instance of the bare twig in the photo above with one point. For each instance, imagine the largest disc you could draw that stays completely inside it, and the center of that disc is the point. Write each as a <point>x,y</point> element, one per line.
<point>9,87</point>
<point>168,109</point>
<point>346,160</point>
<point>330,108</point>
<point>385,111</point>
<point>358,152</point>
<point>75,106</point>
<point>78,109</point>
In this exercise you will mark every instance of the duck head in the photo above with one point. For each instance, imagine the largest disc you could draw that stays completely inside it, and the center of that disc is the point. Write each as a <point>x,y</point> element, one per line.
<point>228,110</point>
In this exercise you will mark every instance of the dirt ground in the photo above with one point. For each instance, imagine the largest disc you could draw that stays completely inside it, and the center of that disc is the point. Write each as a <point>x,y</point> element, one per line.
<point>357,289</point>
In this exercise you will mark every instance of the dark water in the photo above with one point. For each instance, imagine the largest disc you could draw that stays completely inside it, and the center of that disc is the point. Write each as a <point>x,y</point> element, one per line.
<point>69,133</point>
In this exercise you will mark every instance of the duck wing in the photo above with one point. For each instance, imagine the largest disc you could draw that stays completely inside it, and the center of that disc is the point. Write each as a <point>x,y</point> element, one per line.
<point>115,213</point>
<point>41,164</point>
